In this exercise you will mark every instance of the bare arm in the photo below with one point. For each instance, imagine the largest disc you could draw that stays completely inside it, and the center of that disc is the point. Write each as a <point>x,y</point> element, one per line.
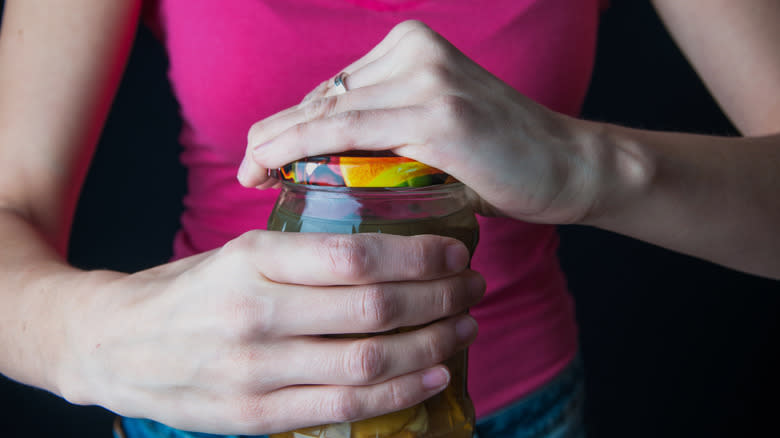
<point>733,46</point>
<point>186,343</point>
<point>713,197</point>
<point>60,64</point>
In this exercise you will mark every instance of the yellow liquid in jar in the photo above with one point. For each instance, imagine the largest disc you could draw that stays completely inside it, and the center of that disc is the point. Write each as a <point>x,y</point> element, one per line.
<point>449,414</point>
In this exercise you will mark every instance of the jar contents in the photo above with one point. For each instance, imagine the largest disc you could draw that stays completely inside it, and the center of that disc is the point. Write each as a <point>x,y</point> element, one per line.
<point>440,413</point>
<point>460,225</point>
<point>439,209</point>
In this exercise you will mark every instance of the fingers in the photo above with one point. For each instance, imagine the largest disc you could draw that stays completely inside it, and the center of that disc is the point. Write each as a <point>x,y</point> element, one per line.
<point>366,98</point>
<point>321,259</point>
<point>375,359</point>
<point>303,406</point>
<point>353,130</point>
<point>374,308</point>
<point>315,360</point>
<point>380,66</point>
<point>352,80</point>
<point>294,407</point>
<point>371,74</point>
<point>386,45</point>
<point>374,81</point>
<point>413,46</point>
<point>254,174</point>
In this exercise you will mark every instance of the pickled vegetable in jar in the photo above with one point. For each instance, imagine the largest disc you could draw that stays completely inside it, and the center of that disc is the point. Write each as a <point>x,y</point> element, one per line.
<point>367,193</point>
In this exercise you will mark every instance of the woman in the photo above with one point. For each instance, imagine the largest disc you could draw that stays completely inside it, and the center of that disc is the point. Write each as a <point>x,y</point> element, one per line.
<point>415,93</point>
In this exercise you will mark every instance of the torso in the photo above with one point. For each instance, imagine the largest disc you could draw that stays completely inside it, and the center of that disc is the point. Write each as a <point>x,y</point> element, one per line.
<point>235,62</point>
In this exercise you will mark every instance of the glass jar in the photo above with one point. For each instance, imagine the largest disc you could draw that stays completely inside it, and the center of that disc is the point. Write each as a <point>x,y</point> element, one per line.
<point>393,195</point>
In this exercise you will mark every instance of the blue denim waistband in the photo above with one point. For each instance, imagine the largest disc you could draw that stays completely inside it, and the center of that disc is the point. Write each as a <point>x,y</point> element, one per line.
<point>556,410</point>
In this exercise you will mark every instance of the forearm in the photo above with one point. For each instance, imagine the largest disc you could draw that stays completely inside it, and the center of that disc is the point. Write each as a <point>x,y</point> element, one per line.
<point>711,197</point>
<point>60,64</point>
<point>42,299</point>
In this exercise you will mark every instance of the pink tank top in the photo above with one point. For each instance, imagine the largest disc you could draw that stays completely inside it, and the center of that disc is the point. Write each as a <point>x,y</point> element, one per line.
<point>235,62</point>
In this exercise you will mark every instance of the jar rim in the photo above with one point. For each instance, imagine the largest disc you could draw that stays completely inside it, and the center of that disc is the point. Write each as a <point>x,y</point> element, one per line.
<point>455,185</point>
<point>361,170</point>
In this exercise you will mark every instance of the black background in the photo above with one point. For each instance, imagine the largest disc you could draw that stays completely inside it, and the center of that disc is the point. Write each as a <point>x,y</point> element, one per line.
<point>673,346</point>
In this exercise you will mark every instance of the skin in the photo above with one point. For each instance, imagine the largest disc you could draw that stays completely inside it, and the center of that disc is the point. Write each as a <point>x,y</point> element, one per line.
<point>222,342</point>
<point>710,197</point>
<point>216,342</point>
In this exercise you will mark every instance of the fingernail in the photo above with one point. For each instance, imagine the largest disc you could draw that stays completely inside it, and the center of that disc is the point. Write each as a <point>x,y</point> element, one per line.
<point>457,257</point>
<point>465,329</point>
<point>476,284</point>
<point>435,378</point>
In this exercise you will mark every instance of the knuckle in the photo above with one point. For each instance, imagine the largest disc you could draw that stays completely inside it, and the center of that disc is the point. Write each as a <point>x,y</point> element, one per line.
<point>316,92</point>
<point>349,120</point>
<point>299,136</point>
<point>454,109</point>
<point>344,406</point>
<point>365,361</point>
<point>242,370</point>
<point>241,245</point>
<point>398,397</point>
<point>253,135</point>
<point>435,347</point>
<point>320,108</point>
<point>418,35</point>
<point>409,25</point>
<point>437,75</point>
<point>377,307</point>
<point>299,130</point>
<point>419,257</point>
<point>346,256</point>
<point>247,317</point>
<point>248,412</point>
<point>424,42</point>
<point>447,299</point>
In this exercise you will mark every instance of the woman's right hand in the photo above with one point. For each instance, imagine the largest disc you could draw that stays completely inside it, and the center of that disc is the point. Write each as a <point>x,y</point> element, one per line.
<point>228,341</point>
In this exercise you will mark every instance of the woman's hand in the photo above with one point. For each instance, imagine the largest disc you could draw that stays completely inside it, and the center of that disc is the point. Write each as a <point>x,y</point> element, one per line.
<point>417,95</point>
<point>228,341</point>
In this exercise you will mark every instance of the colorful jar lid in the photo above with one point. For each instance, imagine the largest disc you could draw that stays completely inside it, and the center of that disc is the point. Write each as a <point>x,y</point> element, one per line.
<point>358,170</point>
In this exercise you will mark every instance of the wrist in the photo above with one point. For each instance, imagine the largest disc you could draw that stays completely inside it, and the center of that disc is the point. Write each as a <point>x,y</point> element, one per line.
<point>83,312</point>
<point>620,169</point>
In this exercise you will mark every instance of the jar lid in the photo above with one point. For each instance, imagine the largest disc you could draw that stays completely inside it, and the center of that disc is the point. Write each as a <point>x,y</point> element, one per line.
<point>361,170</point>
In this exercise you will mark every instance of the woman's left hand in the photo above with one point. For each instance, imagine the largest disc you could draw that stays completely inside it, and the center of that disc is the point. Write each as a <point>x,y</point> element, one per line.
<point>418,96</point>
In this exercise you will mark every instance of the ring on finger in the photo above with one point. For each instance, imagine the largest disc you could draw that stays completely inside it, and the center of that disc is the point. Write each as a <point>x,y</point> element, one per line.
<point>340,83</point>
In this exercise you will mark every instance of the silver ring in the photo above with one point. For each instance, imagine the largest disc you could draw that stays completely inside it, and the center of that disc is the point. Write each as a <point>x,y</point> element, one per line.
<point>339,83</point>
